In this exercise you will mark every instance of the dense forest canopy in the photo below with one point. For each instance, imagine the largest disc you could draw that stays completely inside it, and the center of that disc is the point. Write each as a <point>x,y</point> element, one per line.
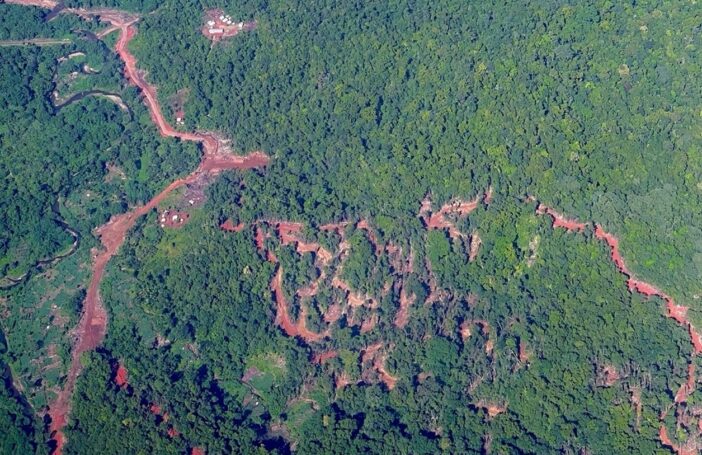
<point>398,278</point>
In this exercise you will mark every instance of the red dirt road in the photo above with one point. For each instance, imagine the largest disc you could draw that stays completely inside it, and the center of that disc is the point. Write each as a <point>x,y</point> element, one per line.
<point>92,326</point>
<point>282,317</point>
<point>229,226</point>
<point>559,220</point>
<point>442,219</point>
<point>673,311</point>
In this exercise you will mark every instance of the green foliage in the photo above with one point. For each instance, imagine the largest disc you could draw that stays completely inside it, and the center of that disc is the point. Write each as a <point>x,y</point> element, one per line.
<point>366,108</point>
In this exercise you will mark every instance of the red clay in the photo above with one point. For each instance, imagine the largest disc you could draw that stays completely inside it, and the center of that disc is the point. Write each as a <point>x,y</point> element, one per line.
<point>288,231</point>
<point>388,379</point>
<point>308,291</point>
<point>493,409</point>
<point>613,244</point>
<point>364,225</point>
<point>341,381</point>
<point>260,238</point>
<point>677,312</point>
<point>282,318</point>
<point>673,311</point>
<point>334,227</point>
<point>610,375</point>
<point>696,339</point>
<point>271,257</point>
<point>93,323</point>
<point>644,288</point>
<point>487,197</point>
<point>559,220</point>
<point>687,387</point>
<point>332,313</point>
<point>402,316</point>
<point>121,376</point>
<point>679,450</point>
<point>440,220</point>
<point>374,354</point>
<point>464,330</point>
<point>229,226</point>
<point>370,351</point>
<point>321,357</point>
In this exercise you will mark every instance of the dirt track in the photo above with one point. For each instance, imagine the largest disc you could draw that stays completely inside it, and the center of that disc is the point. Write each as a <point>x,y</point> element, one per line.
<point>92,326</point>
<point>673,311</point>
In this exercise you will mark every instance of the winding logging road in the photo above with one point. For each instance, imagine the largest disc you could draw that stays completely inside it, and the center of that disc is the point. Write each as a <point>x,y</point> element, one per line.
<point>92,326</point>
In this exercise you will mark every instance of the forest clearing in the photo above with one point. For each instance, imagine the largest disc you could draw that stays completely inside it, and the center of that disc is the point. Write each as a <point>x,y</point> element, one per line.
<point>436,249</point>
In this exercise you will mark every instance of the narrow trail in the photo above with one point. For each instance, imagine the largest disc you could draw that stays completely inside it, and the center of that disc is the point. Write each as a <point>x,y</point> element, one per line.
<point>674,311</point>
<point>92,326</point>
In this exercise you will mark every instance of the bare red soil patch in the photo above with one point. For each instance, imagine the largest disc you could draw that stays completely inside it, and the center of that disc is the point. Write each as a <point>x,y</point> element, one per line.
<point>121,376</point>
<point>442,218</point>
<point>645,288</point>
<point>197,451</point>
<point>321,357</point>
<point>696,339</point>
<point>340,284</point>
<point>691,447</point>
<point>465,330</point>
<point>342,380</point>
<point>388,379</point>
<point>673,311</point>
<point>309,291</point>
<point>608,376</point>
<point>364,225</point>
<point>373,358</point>
<point>524,353</point>
<point>288,231</point>
<point>560,221</point>
<point>282,317</point>
<point>260,238</point>
<point>487,197</point>
<point>492,408</point>
<point>335,227</point>
<point>332,313</point>
<point>229,226</point>
<point>687,387</point>
<point>613,244</point>
<point>93,323</point>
